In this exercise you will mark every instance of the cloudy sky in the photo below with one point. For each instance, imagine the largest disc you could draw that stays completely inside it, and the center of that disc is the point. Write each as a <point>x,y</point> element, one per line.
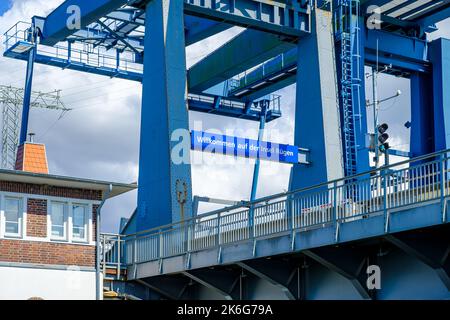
<point>99,139</point>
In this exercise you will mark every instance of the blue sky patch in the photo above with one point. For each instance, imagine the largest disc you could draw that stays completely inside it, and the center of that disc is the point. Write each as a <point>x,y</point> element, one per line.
<point>5,5</point>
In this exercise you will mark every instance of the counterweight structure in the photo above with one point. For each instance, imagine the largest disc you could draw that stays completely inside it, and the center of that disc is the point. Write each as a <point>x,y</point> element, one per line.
<point>352,217</point>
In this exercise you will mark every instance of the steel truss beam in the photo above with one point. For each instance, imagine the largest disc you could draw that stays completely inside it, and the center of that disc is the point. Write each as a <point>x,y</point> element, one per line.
<point>349,262</point>
<point>198,29</point>
<point>156,289</point>
<point>222,281</point>
<point>280,17</point>
<point>404,54</point>
<point>431,246</point>
<point>172,287</point>
<point>246,50</point>
<point>284,273</point>
<point>437,16</point>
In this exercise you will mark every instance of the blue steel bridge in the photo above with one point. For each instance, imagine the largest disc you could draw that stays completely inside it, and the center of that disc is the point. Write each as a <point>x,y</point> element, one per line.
<point>340,215</point>
<point>313,243</point>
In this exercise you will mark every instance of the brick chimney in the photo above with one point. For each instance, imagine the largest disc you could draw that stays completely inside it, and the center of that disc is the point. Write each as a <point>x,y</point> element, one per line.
<point>32,157</point>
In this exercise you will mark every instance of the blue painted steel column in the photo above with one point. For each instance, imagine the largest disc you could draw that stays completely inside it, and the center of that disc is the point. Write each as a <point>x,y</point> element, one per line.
<point>165,188</point>
<point>422,122</point>
<point>28,88</point>
<point>440,58</point>
<point>262,124</point>
<point>317,125</point>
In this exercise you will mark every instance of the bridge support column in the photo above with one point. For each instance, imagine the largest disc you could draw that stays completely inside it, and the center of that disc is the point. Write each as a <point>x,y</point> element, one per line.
<point>422,140</point>
<point>317,126</point>
<point>440,58</point>
<point>164,186</point>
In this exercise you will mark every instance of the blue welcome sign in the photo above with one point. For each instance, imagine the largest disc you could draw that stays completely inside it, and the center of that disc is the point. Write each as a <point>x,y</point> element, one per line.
<point>243,147</point>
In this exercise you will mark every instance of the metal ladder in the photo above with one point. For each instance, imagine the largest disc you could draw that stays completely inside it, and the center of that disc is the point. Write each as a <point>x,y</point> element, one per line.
<point>347,33</point>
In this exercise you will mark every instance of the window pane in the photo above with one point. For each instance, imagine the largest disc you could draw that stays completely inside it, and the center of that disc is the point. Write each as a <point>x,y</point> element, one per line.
<point>58,231</point>
<point>12,216</point>
<point>79,222</point>
<point>79,216</point>
<point>12,227</point>
<point>12,205</point>
<point>58,219</point>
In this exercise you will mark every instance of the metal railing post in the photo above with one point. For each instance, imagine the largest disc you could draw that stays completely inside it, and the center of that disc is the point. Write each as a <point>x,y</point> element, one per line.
<point>161,245</point>
<point>251,221</point>
<point>219,231</point>
<point>442,186</point>
<point>335,209</point>
<point>135,250</point>
<point>118,256</point>
<point>384,178</point>
<point>104,255</point>
<point>189,236</point>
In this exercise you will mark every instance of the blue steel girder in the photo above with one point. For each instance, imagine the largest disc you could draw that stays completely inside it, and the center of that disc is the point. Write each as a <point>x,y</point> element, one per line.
<point>221,280</point>
<point>198,29</point>
<point>409,14</point>
<point>234,108</point>
<point>95,36</point>
<point>405,54</point>
<point>431,246</point>
<point>348,261</point>
<point>172,287</point>
<point>56,28</point>
<point>286,18</point>
<point>244,51</point>
<point>285,273</point>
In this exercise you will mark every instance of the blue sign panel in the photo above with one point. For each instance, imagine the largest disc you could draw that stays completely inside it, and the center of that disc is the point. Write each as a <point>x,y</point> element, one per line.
<point>242,147</point>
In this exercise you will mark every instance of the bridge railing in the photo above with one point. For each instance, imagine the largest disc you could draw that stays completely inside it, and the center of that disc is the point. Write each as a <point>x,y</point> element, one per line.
<point>73,53</point>
<point>112,253</point>
<point>362,196</point>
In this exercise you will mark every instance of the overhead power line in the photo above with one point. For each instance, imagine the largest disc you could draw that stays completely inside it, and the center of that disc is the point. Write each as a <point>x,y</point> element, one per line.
<point>11,98</point>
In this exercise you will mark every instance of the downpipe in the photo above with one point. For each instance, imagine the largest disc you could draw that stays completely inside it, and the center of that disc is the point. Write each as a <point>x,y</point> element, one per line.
<point>98,295</point>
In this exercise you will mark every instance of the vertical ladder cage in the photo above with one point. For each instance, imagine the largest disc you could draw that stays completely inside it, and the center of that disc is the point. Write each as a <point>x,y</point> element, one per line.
<point>347,37</point>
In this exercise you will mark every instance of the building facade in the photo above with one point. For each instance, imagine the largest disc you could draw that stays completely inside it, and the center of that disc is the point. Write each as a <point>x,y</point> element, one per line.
<point>48,234</point>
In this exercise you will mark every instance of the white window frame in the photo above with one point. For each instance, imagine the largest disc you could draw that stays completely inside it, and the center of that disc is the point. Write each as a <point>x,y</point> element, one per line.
<point>65,236</point>
<point>87,224</point>
<point>49,199</point>
<point>21,217</point>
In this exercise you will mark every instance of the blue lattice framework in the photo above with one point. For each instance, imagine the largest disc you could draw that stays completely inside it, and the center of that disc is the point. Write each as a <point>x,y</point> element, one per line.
<point>111,42</point>
<point>347,36</point>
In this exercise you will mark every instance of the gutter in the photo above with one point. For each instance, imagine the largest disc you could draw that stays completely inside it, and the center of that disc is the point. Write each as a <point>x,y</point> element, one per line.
<point>98,288</point>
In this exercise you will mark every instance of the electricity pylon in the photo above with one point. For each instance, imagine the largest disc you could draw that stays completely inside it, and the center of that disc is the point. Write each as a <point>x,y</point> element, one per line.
<point>12,100</point>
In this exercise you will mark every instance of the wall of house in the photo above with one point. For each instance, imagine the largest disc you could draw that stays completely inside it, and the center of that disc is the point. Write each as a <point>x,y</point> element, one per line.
<point>22,283</point>
<point>34,263</point>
